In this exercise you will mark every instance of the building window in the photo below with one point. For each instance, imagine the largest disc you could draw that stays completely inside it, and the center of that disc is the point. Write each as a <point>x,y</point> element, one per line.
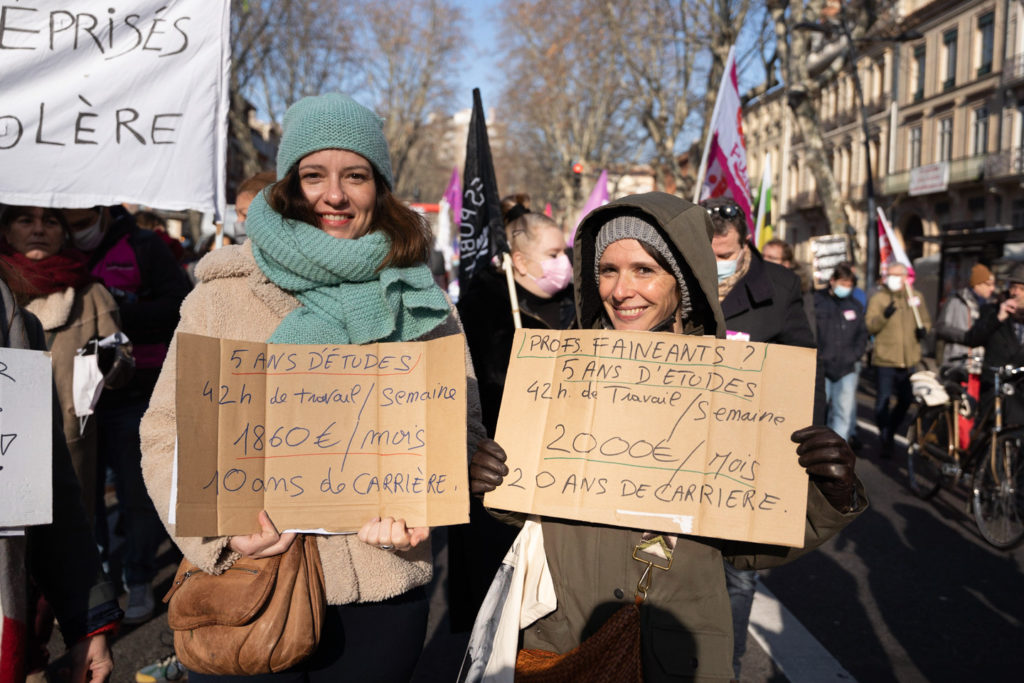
<point>986,42</point>
<point>919,66</point>
<point>946,138</point>
<point>980,130</point>
<point>1017,217</point>
<point>915,146</point>
<point>949,48</point>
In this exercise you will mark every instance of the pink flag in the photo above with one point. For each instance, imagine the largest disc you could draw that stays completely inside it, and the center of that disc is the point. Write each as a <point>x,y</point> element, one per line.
<point>598,197</point>
<point>453,194</point>
<point>724,164</point>
<point>547,209</point>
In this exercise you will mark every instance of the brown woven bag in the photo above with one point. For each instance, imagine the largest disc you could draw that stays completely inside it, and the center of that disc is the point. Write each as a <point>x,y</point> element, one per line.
<point>612,655</point>
<point>259,616</point>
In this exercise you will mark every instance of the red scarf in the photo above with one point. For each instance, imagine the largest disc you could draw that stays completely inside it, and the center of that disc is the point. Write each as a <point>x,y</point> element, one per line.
<point>53,274</point>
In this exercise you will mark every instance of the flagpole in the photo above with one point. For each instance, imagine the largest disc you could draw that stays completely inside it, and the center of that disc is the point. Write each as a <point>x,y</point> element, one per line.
<point>707,141</point>
<point>897,252</point>
<point>762,198</point>
<point>506,265</point>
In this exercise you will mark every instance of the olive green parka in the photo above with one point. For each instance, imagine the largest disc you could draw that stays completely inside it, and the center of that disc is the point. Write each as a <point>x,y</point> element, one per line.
<point>686,620</point>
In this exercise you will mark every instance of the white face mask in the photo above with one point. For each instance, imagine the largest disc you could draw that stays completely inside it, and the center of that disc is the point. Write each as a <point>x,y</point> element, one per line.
<point>894,283</point>
<point>726,269</point>
<point>89,238</point>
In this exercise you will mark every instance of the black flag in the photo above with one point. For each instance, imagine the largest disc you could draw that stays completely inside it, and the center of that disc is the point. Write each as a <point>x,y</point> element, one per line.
<point>481,232</point>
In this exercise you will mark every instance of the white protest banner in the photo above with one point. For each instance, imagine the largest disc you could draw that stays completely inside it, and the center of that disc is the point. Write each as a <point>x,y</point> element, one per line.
<point>26,421</point>
<point>121,101</point>
<point>657,431</point>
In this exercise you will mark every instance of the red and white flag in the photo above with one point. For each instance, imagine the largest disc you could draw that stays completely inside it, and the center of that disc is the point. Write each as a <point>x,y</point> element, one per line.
<point>723,167</point>
<point>889,250</point>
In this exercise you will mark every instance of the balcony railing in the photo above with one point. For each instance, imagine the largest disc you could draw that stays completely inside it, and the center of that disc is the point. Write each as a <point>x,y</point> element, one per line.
<point>963,170</point>
<point>967,170</point>
<point>896,183</point>
<point>877,105</point>
<point>1005,163</point>
<point>1013,70</point>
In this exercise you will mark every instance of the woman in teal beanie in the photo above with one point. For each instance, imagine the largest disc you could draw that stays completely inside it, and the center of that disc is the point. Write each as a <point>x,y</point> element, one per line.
<point>333,258</point>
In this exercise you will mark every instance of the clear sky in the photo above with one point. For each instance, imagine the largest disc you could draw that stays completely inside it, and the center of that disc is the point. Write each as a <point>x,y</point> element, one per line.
<point>479,68</point>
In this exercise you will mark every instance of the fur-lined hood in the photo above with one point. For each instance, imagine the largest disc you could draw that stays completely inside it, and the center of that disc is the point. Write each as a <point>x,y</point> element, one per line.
<point>686,229</point>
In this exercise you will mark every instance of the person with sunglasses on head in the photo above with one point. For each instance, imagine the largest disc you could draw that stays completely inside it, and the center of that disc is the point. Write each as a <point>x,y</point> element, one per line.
<point>761,302</point>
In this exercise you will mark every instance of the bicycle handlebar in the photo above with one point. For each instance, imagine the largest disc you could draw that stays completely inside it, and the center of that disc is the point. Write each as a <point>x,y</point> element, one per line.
<point>1006,371</point>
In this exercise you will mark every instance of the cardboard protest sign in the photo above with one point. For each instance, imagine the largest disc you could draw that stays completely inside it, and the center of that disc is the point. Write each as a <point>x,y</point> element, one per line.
<point>654,431</point>
<point>321,437</point>
<point>26,445</point>
<point>120,101</point>
<point>828,251</point>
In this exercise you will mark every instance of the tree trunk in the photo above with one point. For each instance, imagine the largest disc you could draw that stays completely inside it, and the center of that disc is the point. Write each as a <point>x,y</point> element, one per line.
<point>238,118</point>
<point>832,201</point>
<point>801,94</point>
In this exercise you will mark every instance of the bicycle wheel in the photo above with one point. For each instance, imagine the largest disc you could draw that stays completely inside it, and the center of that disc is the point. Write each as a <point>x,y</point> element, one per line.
<point>998,494</point>
<point>924,466</point>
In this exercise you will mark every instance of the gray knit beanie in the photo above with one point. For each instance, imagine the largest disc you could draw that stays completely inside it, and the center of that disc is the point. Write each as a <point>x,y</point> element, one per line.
<point>333,121</point>
<point>636,228</point>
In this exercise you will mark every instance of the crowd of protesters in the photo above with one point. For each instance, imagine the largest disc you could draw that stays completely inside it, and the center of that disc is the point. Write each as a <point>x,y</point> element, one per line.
<point>332,256</point>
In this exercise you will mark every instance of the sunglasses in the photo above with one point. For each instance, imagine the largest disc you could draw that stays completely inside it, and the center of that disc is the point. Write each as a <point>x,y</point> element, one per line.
<point>726,211</point>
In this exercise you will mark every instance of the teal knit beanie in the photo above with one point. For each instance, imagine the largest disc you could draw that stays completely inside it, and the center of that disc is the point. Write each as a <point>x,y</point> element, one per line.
<point>333,121</point>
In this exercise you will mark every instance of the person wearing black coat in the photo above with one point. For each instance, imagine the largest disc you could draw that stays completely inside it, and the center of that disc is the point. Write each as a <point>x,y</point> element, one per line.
<point>1000,329</point>
<point>762,302</point>
<point>486,314</point>
<point>542,274</point>
<point>842,339</point>
<point>149,285</point>
<point>59,559</point>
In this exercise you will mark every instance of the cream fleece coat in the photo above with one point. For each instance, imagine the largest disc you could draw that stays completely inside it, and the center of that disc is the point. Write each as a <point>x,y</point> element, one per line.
<point>235,300</point>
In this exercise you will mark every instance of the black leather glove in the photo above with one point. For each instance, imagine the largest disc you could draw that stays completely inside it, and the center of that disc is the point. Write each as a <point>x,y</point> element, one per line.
<point>919,333</point>
<point>890,309</point>
<point>487,467</point>
<point>829,461</point>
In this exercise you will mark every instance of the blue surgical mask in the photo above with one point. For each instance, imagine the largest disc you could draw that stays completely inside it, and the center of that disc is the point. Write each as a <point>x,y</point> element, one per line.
<point>726,269</point>
<point>841,291</point>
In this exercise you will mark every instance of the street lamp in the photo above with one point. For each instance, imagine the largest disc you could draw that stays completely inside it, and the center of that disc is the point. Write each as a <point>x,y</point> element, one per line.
<point>871,273</point>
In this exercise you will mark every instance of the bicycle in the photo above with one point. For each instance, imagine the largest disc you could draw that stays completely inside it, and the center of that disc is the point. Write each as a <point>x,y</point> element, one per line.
<point>992,460</point>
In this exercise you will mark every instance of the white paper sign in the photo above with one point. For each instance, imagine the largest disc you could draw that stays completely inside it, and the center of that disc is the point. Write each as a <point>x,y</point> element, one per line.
<point>119,101</point>
<point>26,448</point>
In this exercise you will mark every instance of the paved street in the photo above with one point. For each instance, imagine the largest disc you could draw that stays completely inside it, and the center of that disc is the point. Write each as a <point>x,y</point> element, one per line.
<point>909,592</point>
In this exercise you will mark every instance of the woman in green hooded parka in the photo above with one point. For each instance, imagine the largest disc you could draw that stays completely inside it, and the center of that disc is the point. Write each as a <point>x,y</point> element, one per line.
<point>645,263</point>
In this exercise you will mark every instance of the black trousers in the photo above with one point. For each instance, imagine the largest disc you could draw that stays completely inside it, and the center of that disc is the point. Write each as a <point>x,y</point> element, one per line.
<point>378,641</point>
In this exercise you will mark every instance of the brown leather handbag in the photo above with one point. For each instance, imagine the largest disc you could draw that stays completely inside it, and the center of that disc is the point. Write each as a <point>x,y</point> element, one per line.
<point>259,616</point>
<point>612,655</point>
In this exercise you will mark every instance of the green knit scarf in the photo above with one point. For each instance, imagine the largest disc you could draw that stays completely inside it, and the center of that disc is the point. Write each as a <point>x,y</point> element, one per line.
<point>345,299</point>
